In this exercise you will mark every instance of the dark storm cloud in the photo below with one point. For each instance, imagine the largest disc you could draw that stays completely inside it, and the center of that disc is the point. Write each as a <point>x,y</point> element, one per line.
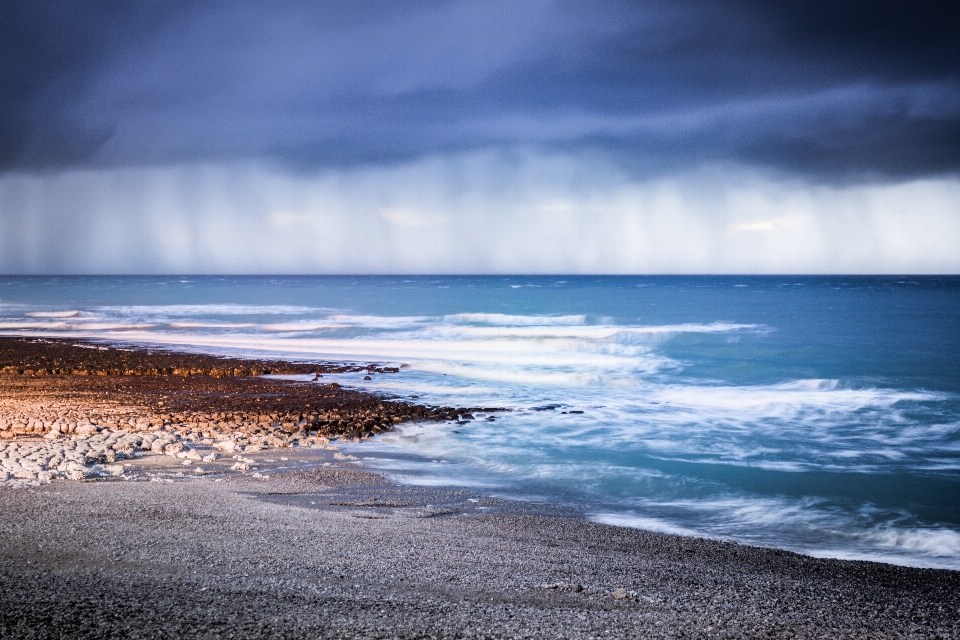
<point>49,54</point>
<point>820,88</point>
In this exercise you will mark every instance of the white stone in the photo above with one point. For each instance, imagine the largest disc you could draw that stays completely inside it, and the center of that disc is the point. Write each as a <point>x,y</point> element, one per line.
<point>173,449</point>
<point>227,446</point>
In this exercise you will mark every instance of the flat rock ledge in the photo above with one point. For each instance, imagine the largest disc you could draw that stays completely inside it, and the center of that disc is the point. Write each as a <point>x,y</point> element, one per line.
<point>81,427</point>
<point>103,454</point>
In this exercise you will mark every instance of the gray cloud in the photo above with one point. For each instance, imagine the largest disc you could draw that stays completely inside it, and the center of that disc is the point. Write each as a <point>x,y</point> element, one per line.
<point>827,90</point>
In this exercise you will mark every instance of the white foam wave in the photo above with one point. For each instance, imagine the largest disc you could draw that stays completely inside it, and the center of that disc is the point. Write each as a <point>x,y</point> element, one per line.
<point>379,322</point>
<point>48,326</point>
<point>646,523</point>
<point>175,310</point>
<point>53,314</point>
<point>839,536</point>
<point>211,325</point>
<point>782,400</point>
<point>299,326</point>
<point>937,542</point>
<point>467,332</point>
<point>75,329</point>
<point>514,320</point>
<point>809,384</point>
<point>108,326</point>
<point>586,335</point>
<point>713,327</point>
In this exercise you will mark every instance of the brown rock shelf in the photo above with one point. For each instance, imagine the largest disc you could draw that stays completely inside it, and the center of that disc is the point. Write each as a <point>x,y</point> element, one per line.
<point>46,391</point>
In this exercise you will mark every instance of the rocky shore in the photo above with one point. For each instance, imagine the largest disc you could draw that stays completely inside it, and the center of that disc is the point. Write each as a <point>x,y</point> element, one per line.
<point>74,410</point>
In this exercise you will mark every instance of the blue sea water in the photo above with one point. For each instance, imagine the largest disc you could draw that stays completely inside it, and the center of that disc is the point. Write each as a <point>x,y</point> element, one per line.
<point>817,414</point>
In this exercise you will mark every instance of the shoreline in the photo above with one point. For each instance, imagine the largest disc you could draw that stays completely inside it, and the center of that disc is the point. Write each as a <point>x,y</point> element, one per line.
<point>200,524</point>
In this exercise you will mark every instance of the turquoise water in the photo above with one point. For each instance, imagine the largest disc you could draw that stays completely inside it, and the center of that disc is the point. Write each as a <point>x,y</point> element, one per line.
<point>819,414</point>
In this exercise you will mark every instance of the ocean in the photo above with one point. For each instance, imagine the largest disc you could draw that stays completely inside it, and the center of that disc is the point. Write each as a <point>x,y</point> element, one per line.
<point>816,414</point>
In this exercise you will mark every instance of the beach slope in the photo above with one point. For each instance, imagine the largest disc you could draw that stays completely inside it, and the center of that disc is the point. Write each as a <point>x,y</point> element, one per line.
<point>340,553</point>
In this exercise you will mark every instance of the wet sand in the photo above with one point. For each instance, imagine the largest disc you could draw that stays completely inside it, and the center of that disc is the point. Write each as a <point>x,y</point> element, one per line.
<point>298,541</point>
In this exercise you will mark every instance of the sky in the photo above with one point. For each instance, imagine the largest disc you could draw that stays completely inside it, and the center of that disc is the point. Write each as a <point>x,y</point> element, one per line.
<point>544,136</point>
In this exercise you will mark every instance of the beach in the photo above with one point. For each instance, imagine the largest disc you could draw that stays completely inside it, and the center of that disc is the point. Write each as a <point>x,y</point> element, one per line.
<point>340,553</point>
<point>214,515</point>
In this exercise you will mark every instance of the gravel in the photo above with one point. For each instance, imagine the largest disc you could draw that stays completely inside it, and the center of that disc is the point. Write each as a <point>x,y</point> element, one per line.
<point>335,552</point>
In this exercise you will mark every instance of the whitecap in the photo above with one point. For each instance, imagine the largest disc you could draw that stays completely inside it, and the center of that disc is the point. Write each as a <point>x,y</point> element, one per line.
<point>53,314</point>
<point>505,319</point>
<point>49,326</point>
<point>299,326</point>
<point>107,326</point>
<point>378,322</point>
<point>173,310</point>
<point>210,325</point>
